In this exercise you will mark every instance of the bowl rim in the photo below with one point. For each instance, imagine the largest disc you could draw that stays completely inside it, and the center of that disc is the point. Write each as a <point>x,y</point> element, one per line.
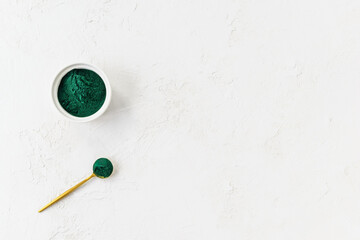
<point>56,83</point>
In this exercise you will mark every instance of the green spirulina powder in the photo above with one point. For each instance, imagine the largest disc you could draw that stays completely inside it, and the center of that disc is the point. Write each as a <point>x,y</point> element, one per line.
<point>81,92</point>
<point>103,168</point>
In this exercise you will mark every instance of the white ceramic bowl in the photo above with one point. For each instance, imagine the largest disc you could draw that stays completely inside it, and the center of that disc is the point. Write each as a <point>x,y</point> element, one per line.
<point>56,83</point>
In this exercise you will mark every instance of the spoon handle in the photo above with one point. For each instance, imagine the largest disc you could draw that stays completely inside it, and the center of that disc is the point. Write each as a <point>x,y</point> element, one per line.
<point>67,192</point>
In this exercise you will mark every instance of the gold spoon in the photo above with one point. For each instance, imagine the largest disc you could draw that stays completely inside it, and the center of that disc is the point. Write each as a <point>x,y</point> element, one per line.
<point>102,168</point>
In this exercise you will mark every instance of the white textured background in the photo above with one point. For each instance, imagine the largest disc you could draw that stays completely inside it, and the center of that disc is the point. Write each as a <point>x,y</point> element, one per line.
<point>229,120</point>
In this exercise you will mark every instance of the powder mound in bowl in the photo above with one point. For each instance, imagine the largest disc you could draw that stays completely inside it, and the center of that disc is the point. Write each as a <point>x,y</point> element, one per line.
<point>81,92</point>
<point>102,168</point>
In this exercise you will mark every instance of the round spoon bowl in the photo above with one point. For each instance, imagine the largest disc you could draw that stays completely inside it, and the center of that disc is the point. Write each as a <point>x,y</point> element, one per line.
<point>103,168</point>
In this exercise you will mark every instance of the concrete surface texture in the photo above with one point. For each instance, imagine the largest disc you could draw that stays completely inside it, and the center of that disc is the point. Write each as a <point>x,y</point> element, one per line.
<point>229,120</point>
